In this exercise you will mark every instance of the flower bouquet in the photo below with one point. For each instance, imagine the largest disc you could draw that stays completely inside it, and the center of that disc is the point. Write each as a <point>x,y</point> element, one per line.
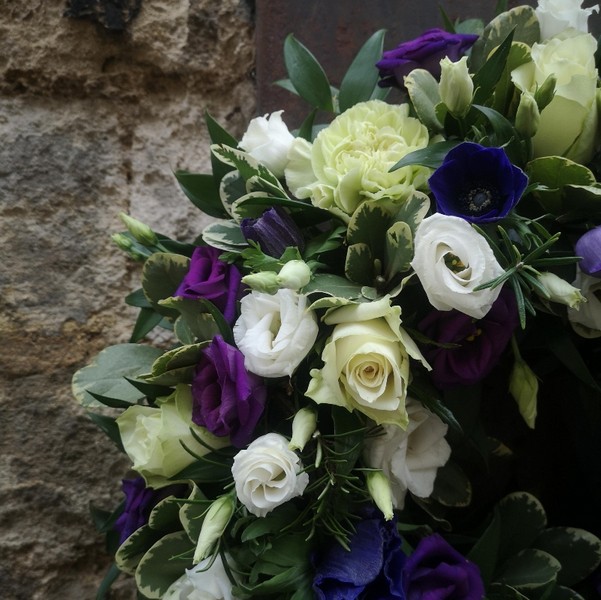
<point>382,370</point>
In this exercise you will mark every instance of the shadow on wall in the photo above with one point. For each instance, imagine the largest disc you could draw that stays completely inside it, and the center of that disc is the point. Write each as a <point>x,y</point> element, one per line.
<point>114,15</point>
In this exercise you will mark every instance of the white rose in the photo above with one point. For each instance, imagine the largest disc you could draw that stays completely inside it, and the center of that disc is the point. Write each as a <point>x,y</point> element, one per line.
<point>555,16</point>
<point>151,437</point>
<point>268,474</point>
<point>275,332</point>
<point>268,140</point>
<point>366,362</point>
<point>568,124</point>
<point>451,259</point>
<point>586,321</point>
<point>197,584</point>
<point>410,459</point>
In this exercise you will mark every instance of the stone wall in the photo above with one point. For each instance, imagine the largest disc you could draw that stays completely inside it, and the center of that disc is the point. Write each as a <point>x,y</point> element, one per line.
<point>92,122</point>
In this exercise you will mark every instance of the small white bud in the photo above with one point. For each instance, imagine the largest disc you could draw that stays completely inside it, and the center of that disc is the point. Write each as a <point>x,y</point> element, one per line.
<point>294,275</point>
<point>265,281</point>
<point>559,290</point>
<point>523,386</point>
<point>378,486</point>
<point>303,427</point>
<point>456,86</point>
<point>141,232</point>
<point>213,526</point>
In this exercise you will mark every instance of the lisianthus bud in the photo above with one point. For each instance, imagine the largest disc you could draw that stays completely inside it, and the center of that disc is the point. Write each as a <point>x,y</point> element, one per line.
<point>559,290</point>
<point>456,86</point>
<point>141,232</point>
<point>303,427</point>
<point>264,281</point>
<point>294,275</point>
<point>122,241</point>
<point>379,489</point>
<point>545,93</point>
<point>523,386</point>
<point>274,231</point>
<point>527,116</point>
<point>213,526</point>
<point>589,248</point>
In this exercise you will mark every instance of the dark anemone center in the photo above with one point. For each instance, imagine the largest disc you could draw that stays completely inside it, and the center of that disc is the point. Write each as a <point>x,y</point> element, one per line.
<point>478,199</point>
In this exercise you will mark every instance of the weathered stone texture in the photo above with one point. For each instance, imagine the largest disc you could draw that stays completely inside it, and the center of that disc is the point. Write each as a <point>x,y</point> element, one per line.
<point>92,123</point>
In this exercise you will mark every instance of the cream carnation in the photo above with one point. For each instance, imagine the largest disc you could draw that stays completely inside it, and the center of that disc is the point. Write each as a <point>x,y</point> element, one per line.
<point>555,16</point>
<point>350,160</point>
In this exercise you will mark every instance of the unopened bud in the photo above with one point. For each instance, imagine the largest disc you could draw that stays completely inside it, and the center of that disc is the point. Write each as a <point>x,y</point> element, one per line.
<point>264,281</point>
<point>216,520</point>
<point>140,231</point>
<point>303,427</point>
<point>378,487</point>
<point>122,241</point>
<point>456,86</point>
<point>545,93</point>
<point>523,386</point>
<point>527,117</point>
<point>559,290</point>
<point>294,275</point>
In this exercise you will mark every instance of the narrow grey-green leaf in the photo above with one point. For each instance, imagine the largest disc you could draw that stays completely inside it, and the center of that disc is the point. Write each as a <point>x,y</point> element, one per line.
<point>333,285</point>
<point>431,157</point>
<point>202,190</point>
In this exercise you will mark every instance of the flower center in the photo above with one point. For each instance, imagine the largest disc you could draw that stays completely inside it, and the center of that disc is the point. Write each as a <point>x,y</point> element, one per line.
<point>478,199</point>
<point>453,263</point>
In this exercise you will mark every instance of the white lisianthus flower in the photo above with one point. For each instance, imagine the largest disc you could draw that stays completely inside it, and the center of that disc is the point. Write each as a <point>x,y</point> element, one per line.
<point>151,437</point>
<point>268,140</point>
<point>568,125</point>
<point>555,16</point>
<point>350,160</point>
<point>410,458</point>
<point>586,320</point>
<point>275,332</point>
<point>366,362</point>
<point>456,86</point>
<point>200,584</point>
<point>268,474</point>
<point>451,259</point>
<point>559,290</point>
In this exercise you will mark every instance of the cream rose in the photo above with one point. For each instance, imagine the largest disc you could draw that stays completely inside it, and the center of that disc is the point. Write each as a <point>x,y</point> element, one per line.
<point>275,332</point>
<point>153,437</point>
<point>555,16</point>
<point>350,160</point>
<point>568,125</point>
<point>268,140</point>
<point>366,362</point>
<point>268,474</point>
<point>200,584</point>
<point>586,320</point>
<point>410,458</point>
<point>451,259</point>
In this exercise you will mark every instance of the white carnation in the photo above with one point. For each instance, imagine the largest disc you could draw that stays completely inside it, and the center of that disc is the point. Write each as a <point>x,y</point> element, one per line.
<point>451,260</point>
<point>268,474</point>
<point>275,332</point>
<point>410,458</point>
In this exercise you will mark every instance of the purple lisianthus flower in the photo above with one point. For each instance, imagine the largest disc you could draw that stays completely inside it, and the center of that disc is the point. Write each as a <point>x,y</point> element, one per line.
<point>372,568</point>
<point>139,502</point>
<point>436,571</point>
<point>480,342</point>
<point>227,399</point>
<point>589,248</point>
<point>212,279</point>
<point>274,231</point>
<point>424,52</point>
<point>476,183</point>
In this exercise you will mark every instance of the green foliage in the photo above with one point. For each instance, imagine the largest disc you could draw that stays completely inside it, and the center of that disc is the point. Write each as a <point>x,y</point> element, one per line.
<point>161,276</point>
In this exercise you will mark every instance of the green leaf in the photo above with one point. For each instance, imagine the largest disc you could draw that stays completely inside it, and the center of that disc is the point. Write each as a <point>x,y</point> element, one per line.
<point>275,522</point>
<point>176,365</point>
<point>105,375</point>
<point>194,313</point>
<point>161,276</point>
<point>147,320</point>
<point>451,486</point>
<point>137,299</point>
<point>307,75</point>
<point>165,515</point>
<point>578,551</point>
<point>110,402</point>
<point>306,129</point>
<point>522,520</point>
<point>529,569</point>
<point>149,389</point>
<point>362,76</point>
<point>163,564</point>
<point>502,127</point>
<point>131,551</point>
<point>109,427</point>
<point>202,190</point>
<point>499,591</point>
<point>191,514</point>
<point>349,431</point>
<point>359,264</point>
<point>399,249</point>
<point>225,235</point>
<point>333,285</point>
<point>247,166</point>
<point>108,580</point>
<point>485,551</point>
<point>431,157</point>
<point>212,467</point>
<point>423,91</point>
<point>563,593</point>
<point>489,75</point>
<point>218,134</point>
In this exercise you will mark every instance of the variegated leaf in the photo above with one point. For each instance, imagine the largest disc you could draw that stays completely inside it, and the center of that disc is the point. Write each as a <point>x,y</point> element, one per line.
<point>191,513</point>
<point>529,570</point>
<point>131,551</point>
<point>231,188</point>
<point>225,235</point>
<point>246,164</point>
<point>259,184</point>
<point>399,249</point>
<point>359,265</point>
<point>161,276</point>
<point>413,210</point>
<point>423,91</point>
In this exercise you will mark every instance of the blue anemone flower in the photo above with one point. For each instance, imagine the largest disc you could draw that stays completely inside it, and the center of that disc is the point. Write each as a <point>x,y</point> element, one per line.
<point>477,183</point>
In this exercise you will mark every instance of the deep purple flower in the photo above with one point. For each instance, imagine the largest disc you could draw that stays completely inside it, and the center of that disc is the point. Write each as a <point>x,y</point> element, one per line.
<point>139,502</point>
<point>436,571</point>
<point>274,231</point>
<point>212,279</point>
<point>476,183</point>
<point>424,52</point>
<point>589,248</point>
<point>372,568</point>
<point>227,399</point>
<point>480,342</point>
